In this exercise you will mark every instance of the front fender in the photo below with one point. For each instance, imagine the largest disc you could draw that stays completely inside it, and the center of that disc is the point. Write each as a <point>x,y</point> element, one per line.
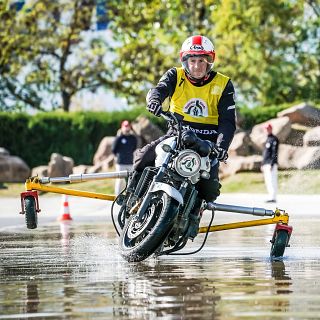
<point>169,190</point>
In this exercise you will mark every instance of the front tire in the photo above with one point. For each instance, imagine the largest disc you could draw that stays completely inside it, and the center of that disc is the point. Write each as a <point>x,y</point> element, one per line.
<point>141,237</point>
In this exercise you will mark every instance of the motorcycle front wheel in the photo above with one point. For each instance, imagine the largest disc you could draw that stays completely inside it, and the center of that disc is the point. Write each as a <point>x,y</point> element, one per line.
<point>141,237</point>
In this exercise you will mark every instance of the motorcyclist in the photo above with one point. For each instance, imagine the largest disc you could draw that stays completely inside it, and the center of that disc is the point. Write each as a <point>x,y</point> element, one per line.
<point>204,100</point>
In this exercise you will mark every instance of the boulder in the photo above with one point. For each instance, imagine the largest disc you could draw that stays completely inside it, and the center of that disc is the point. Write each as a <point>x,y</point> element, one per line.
<point>95,168</point>
<point>241,144</point>
<point>104,150</point>
<point>40,171</point>
<point>60,166</point>
<point>12,168</point>
<point>302,113</point>
<point>312,137</point>
<point>237,164</point>
<point>281,129</point>
<point>80,169</point>
<point>295,137</point>
<point>307,158</point>
<point>291,157</point>
<point>4,152</point>
<point>144,128</point>
<point>286,156</point>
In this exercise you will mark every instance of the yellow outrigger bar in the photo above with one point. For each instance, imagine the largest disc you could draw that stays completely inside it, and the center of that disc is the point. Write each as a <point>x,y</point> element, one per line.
<point>41,184</point>
<point>278,217</point>
<point>33,184</point>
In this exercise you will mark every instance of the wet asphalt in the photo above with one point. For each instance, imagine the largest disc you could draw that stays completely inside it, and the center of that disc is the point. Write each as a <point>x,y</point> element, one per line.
<point>74,270</point>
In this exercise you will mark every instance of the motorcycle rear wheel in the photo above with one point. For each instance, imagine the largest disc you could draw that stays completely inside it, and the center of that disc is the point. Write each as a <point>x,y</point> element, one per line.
<point>140,238</point>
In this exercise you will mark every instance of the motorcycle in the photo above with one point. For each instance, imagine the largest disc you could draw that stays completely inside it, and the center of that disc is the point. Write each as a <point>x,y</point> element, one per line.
<point>156,213</point>
<point>159,207</point>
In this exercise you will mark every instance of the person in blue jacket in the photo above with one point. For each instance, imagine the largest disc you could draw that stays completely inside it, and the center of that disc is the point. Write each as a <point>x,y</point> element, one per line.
<point>123,148</point>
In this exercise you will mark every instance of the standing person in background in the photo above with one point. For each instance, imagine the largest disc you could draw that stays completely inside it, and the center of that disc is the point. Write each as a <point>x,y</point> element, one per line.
<point>270,164</point>
<point>123,148</point>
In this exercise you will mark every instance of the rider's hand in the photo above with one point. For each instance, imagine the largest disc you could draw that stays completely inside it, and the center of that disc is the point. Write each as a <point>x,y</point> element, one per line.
<point>222,154</point>
<point>154,106</point>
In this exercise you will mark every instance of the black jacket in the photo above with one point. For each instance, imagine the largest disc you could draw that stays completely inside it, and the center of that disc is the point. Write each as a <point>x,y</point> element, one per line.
<point>123,147</point>
<point>226,107</point>
<point>270,152</point>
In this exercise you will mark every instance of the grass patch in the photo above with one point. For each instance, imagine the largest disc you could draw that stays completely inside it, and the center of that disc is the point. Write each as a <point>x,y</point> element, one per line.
<point>290,182</point>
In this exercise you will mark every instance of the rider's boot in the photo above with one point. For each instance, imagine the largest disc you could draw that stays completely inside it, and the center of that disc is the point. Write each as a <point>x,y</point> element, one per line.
<point>194,219</point>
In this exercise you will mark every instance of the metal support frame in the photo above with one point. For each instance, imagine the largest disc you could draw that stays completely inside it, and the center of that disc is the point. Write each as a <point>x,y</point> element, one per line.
<point>32,184</point>
<point>279,217</point>
<point>31,193</point>
<point>35,184</point>
<point>245,224</point>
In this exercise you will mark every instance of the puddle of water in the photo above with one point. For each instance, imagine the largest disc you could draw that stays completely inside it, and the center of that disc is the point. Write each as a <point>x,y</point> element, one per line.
<point>75,271</point>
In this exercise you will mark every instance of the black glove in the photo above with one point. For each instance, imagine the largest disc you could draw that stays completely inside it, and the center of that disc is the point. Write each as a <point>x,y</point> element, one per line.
<point>154,106</point>
<point>222,154</point>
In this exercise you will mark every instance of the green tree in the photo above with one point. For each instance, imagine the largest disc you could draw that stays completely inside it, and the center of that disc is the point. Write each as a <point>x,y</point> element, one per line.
<point>149,35</point>
<point>46,58</point>
<point>265,46</point>
<point>270,48</point>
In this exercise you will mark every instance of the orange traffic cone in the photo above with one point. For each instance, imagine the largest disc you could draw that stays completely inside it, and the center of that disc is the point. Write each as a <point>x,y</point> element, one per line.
<point>65,212</point>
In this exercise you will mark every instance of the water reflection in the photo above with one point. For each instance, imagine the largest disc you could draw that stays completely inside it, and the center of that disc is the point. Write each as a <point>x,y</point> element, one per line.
<point>164,290</point>
<point>32,297</point>
<point>75,271</point>
<point>65,228</point>
<point>283,280</point>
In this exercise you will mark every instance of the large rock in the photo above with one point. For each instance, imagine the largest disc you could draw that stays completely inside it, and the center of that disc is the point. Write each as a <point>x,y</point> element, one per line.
<point>302,113</point>
<point>291,157</point>
<point>312,137</point>
<point>40,171</point>
<point>104,150</point>
<point>60,166</point>
<point>12,168</point>
<point>307,158</point>
<point>295,136</point>
<point>281,128</point>
<point>286,156</point>
<point>241,144</point>
<point>144,128</point>
<point>237,164</point>
<point>4,152</point>
<point>80,169</point>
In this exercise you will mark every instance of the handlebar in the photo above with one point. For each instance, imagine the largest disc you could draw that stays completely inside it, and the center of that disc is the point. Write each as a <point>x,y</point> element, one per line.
<point>171,118</point>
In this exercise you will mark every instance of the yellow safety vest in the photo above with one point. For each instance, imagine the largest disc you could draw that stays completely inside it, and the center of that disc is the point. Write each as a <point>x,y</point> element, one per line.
<point>198,104</point>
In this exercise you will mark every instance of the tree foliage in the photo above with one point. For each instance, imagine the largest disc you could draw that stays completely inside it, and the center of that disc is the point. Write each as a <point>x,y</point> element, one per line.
<point>45,59</point>
<point>269,48</point>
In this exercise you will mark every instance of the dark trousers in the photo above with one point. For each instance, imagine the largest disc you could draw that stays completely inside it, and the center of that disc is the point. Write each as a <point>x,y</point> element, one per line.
<point>209,189</point>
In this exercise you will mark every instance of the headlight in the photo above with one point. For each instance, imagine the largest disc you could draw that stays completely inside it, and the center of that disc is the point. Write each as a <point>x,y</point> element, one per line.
<point>187,163</point>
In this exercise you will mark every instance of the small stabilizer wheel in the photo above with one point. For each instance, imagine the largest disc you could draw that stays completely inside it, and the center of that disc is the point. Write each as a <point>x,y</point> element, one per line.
<point>31,215</point>
<point>279,243</point>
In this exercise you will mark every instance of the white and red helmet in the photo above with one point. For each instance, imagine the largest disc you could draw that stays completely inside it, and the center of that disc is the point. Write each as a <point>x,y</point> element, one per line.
<point>197,46</point>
